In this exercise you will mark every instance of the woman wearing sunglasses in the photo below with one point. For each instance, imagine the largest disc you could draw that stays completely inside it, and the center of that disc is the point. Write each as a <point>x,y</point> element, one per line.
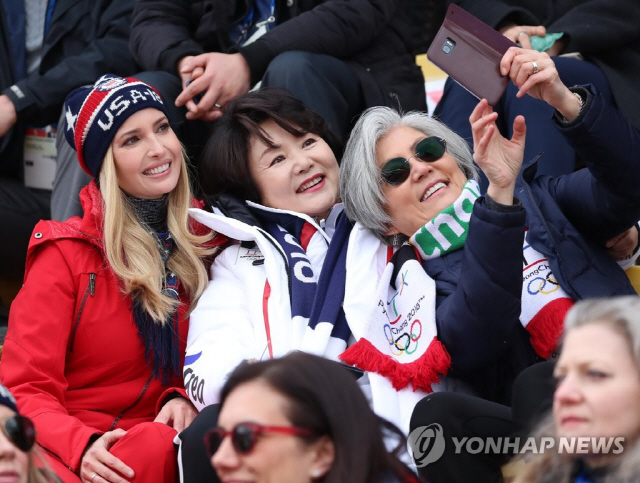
<point>19,458</point>
<point>298,419</point>
<point>479,286</point>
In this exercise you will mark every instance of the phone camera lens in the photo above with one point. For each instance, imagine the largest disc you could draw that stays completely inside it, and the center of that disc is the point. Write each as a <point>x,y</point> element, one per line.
<point>448,46</point>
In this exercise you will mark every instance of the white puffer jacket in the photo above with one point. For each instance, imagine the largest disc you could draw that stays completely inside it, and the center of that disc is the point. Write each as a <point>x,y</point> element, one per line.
<point>245,311</point>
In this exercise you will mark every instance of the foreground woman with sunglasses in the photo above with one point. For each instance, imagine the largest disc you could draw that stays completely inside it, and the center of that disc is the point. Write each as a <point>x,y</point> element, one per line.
<point>298,419</point>
<point>19,459</point>
<point>480,290</point>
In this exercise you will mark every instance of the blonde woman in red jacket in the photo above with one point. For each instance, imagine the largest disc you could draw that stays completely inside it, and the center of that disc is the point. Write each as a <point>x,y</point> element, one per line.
<point>96,340</point>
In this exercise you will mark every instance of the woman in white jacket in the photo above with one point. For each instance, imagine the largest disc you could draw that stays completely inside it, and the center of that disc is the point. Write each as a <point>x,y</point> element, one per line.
<point>271,168</point>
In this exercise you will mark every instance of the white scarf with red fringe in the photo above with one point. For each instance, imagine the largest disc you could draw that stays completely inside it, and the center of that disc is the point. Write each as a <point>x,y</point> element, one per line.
<point>397,339</point>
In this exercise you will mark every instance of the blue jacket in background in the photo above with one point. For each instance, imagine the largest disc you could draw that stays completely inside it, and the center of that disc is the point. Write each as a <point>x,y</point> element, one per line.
<point>84,40</point>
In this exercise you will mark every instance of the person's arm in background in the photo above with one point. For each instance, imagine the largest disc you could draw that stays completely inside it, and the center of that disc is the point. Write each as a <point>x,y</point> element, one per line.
<point>517,23</point>
<point>496,12</point>
<point>597,25</point>
<point>163,37</point>
<point>8,115</point>
<point>161,34</point>
<point>38,98</point>
<point>589,26</point>
<point>339,28</point>
<point>603,200</point>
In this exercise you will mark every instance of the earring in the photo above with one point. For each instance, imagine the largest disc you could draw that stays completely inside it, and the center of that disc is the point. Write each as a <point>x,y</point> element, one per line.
<point>316,473</point>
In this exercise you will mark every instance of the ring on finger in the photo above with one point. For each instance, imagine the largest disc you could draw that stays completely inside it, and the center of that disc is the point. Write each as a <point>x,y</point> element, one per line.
<point>93,476</point>
<point>535,66</point>
<point>523,32</point>
<point>219,106</point>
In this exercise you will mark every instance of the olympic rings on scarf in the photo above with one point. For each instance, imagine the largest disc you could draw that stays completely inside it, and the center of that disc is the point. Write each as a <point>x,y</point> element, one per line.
<point>410,337</point>
<point>542,285</point>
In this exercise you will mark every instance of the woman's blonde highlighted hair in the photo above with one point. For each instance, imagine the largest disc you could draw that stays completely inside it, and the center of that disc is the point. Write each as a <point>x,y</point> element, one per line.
<point>39,469</point>
<point>622,315</point>
<point>134,253</point>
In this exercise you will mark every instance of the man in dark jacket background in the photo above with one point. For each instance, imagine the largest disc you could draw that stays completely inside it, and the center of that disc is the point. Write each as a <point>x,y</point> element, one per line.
<point>602,33</point>
<point>80,40</point>
<point>605,33</point>
<point>337,56</point>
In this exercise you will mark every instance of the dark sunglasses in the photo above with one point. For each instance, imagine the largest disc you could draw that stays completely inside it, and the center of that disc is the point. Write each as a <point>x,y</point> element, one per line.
<point>396,170</point>
<point>245,435</point>
<point>20,431</point>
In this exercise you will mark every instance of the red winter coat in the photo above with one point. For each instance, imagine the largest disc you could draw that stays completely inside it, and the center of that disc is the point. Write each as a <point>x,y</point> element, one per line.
<point>72,356</point>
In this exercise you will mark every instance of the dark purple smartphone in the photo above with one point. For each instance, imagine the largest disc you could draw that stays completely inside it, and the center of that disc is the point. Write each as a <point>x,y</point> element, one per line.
<point>470,51</point>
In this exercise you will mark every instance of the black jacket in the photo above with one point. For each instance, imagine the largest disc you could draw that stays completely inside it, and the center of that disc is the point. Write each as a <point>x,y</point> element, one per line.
<point>605,32</point>
<point>86,39</point>
<point>372,36</point>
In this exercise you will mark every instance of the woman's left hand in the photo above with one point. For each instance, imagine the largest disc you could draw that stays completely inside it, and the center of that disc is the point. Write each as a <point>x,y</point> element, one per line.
<point>499,158</point>
<point>177,413</point>
<point>535,73</point>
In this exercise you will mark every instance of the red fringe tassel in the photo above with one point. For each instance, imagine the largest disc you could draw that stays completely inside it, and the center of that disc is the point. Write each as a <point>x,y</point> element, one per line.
<point>546,327</point>
<point>421,373</point>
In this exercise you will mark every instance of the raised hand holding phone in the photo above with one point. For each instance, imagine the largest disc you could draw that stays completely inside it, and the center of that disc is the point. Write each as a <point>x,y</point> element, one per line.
<point>535,73</point>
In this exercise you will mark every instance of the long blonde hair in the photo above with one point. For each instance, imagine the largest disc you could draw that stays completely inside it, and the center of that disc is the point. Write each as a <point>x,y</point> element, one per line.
<point>553,466</point>
<point>133,252</point>
<point>41,472</point>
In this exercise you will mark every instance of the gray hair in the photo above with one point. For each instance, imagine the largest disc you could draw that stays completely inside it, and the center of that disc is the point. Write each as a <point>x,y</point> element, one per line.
<point>622,314</point>
<point>360,186</point>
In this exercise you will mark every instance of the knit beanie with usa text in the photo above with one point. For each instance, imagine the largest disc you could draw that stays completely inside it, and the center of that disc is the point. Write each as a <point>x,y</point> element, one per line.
<point>95,113</point>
